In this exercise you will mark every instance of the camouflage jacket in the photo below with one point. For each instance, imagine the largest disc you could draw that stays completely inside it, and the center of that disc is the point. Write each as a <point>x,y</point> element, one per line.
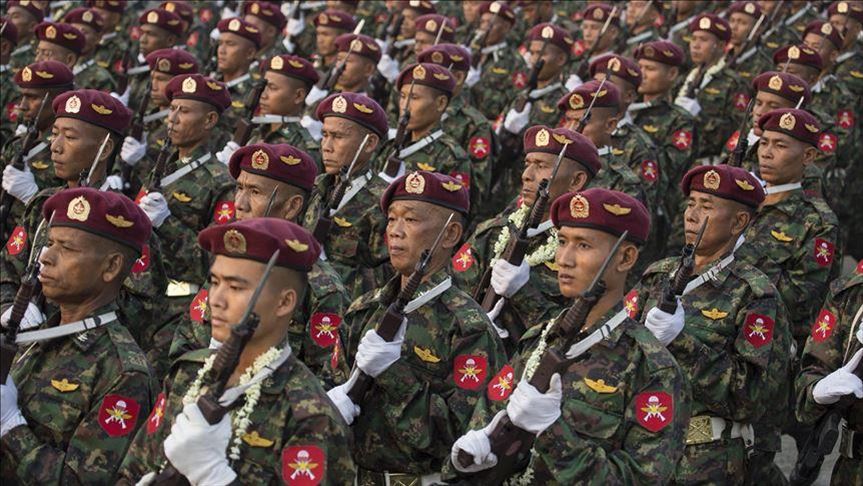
<point>196,200</point>
<point>504,74</point>
<point>9,97</point>
<point>634,40</point>
<point>83,396</point>
<point>156,131</point>
<point>240,89</point>
<point>355,247</point>
<point>849,69</point>
<point>723,99</point>
<point>38,159</point>
<point>110,51</point>
<point>90,75</point>
<point>23,55</point>
<point>794,242</point>
<point>473,132</point>
<point>752,62</point>
<point>830,345</point>
<point>641,157</point>
<point>292,133</point>
<point>315,333</point>
<point>292,415</point>
<point>790,30</point>
<point>617,176</point>
<point>421,404</point>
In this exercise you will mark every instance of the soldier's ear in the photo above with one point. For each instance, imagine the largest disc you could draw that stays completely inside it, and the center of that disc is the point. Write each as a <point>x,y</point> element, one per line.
<point>112,266</point>
<point>453,234</point>
<point>71,59</point>
<point>210,120</point>
<point>809,155</point>
<point>372,144</point>
<point>292,207</point>
<point>673,72</point>
<point>286,302</point>
<point>627,256</point>
<point>741,221</point>
<point>578,181</point>
<point>441,103</point>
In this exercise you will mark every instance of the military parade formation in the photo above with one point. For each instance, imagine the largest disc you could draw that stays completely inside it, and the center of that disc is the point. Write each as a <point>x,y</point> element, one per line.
<point>414,242</point>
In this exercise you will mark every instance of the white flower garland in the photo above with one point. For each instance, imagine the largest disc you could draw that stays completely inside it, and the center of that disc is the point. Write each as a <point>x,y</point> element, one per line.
<point>542,254</point>
<point>240,420</point>
<point>690,78</point>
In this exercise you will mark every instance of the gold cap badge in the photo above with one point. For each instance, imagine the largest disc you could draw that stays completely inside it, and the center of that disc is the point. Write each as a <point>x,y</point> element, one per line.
<point>73,104</point>
<point>579,207</point>
<point>78,209</point>
<point>260,160</point>
<point>712,180</point>
<point>277,63</point>
<point>542,137</point>
<point>419,72</point>
<point>340,104</point>
<point>234,242</point>
<point>189,85</point>
<point>415,183</point>
<point>787,121</point>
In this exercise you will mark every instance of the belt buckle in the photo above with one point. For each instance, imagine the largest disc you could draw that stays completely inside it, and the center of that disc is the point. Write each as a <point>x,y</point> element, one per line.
<point>700,430</point>
<point>398,479</point>
<point>177,288</point>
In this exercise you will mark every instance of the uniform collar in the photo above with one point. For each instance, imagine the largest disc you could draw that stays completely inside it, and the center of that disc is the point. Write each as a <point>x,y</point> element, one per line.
<point>83,340</point>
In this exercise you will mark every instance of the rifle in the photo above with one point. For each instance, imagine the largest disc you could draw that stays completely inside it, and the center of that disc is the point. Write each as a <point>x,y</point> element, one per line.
<point>28,288</point>
<point>154,181</point>
<point>86,177</point>
<point>224,365</point>
<point>213,60</point>
<point>479,40</point>
<point>533,80</point>
<point>395,314</point>
<point>735,159</point>
<point>243,130</point>
<point>325,219</point>
<point>295,14</point>
<point>665,28</point>
<point>626,33</point>
<point>585,118</point>
<point>328,82</point>
<point>682,274</point>
<point>516,249</point>
<point>136,131</point>
<point>511,444</point>
<point>393,162</point>
<point>27,143</point>
<point>271,201</point>
<point>583,70</point>
<point>123,77</point>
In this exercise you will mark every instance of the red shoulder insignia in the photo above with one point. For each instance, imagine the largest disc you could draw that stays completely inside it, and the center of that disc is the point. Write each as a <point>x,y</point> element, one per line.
<point>519,79</point>
<point>118,415</point>
<point>154,421</point>
<point>198,307</point>
<point>731,143</point>
<point>501,385</point>
<point>469,371</point>
<point>462,177</point>
<point>11,111</point>
<point>224,212</point>
<point>654,410</point>
<point>758,329</point>
<point>578,48</point>
<point>143,262</point>
<point>324,328</point>
<point>682,139</point>
<point>17,241</point>
<point>649,170</point>
<point>827,142</point>
<point>845,119</point>
<point>303,465</point>
<point>479,147</point>
<point>823,252</point>
<point>823,327</point>
<point>741,101</point>
<point>463,258</point>
<point>630,303</point>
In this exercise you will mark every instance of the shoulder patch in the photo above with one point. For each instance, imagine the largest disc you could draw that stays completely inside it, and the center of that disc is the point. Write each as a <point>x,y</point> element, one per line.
<point>654,410</point>
<point>324,328</point>
<point>758,329</point>
<point>824,325</point>
<point>198,307</point>
<point>118,415</point>
<point>224,212</point>
<point>303,465</point>
<point>823,252</point>
<point>501,385</point>
<point>469,371</point>
<point>17,241</point>
<point>154,421</point>
<point>463,259</point>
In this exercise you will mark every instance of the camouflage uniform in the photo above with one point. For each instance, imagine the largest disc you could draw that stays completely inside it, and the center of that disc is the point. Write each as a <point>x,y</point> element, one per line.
<point>240,90</point>
<point>292,414</point>
<point>634,40</point>
<point>829,346</point>
<point>794,243</point>
<point>723,103</point>
<point>111,48</point>
<point>738,368</point>
<point>9,97</point>
<point>504,73</point>
<point>473,132</point>
<point>23,55</point>
<point>617,176</point>
<point>291,133</point>
<point>753,62</point>
<point>791,29</point>
<point>38,159</point>
<point>156,130</point>
<point>90,75</point>
<point>849,68</point>
<point>422,403</point>
<point>83,396</point>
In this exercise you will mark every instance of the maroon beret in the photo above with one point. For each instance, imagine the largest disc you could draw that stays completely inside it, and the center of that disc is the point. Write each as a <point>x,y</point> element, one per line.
<point>605,210</point>
<point>240,27</point>
<point>355,107</point>
<point>167,21</point>
<point>500,9</point>
<point>199,88</point>
<point>825,30</point>
<point>661,51</point>
<point>428,74</point>
<point>281,162</point>
<point>258,238</point>
<point>431,187</point>
<point>799,124</point>
<point>553,34</point>
<point>64,35</point>
<point>267,12</point>
<point>620,66</point>
<point>548,140</point>
<point>94,107</point>
<point>749,8</point>
<point>798,54</point>
<point>37,8</point>
<point>599,12</point>
<point>432,23</point>
<point>102,213</point>
<point>581,97</point>
<point>85,16</point>
<point>713,24</point>
<point>293,67</point>
<point>451,56</point>
<point>335,19</point>
<point>45,74</point>
<point>724,181</point>
<point>181,9</point>
<point>360,44</point>
<point>117,6</point>
<point>422,7</point>
<point>172,61</point>
<point>848,9</point>
<point>785,85</point>
<point>10,32</point>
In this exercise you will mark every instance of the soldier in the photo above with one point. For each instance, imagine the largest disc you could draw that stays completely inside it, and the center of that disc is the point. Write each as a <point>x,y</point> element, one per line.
<point>792,237</point>
<point>87,72</point>
<point>329,25</point>
<point>114,44</point>
<point>71,407</point>
<point>641,19</point>
<point>743,18</point>
<point>834,94</point>
<point>362,54</point>
<point>160,29</point>
<point>594,18</point>
<point>25,15</point>
<point>355,245</point>
<point>65,43</point>
<point>8,92</point>
<point>270,21</point>
<point>789,29</point>
<point>832,353</point>
<point>619,412</point>
<point>282,427</point>
<point>729,332</point>
<point>719,101</point>
<point>530,290</point>
<point>432,29</point>
<point>470,15</point>
<point>847,17</point>
<point>436,369</point>
<point>682,13</point>
<point>191,33</point>
<point>239,42</point>
<point>315,333</point>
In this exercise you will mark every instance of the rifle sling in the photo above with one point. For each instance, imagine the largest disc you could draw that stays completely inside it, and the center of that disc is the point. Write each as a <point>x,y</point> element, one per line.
<point>230,395</point>
<point>581,347</point>
<point>356,185</point>
<point>66,329</point>
<point>177,174</point>
<point>420,144</point>
<point>426,297</point>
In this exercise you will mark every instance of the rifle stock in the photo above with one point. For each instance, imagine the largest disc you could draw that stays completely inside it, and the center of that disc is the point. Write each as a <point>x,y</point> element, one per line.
<point>682,274</point>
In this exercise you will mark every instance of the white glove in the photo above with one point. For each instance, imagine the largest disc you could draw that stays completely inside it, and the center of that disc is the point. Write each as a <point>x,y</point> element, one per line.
<point>516,121</point>
<point>476,443</point>
<point>295,26</point>
<point>473,77</point>
<point>663,325</point>
<point>21,129</point>
<point>689,104</point>
<point>19,183</point>
<point>492,316</point>
<point>839,383</point>
<point>147,480</point>
<point>289,46</point>
<point>374,355</point>
<point>124,98</point>
<point>507,279</point>
<point>132,151</point>
<point>572,82</point>
<point>113,183</point>
<point>199,450</point>
<point>383,44</point>
<point>155,207</point>
<point>389,68</point>
<point>316,94</point>
<point>312,126</point>
<point>339,396</point>
<point>32,317</point>
<point>860,334</point>
<point>10,414</point>
<point>224,156</point>
<point>216,33</point>
<point>533,411</point>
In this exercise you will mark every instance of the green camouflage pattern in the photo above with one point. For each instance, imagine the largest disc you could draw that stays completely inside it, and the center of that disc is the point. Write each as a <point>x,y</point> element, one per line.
<point>504,74</point>
<point>9,97</point>
<point>617,176</point>
<point>90,75</point>
<point>40,164</point>
<point>63,385</point>
<point>416,409</point>
<point>790,30</point>
<point>291,133</point>
<point>723,104</point>
<point>849,69</point>
<point>293,410</point>
<point>753,62</point>
<point>111,48</point>
<point>474,134</point>
<point>23,55</point>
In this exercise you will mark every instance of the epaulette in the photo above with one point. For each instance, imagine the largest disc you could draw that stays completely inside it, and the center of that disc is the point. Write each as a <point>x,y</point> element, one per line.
<point>196,356</point>
<point>129,354</point>
<point>666,265</point>
<point>757,281</point>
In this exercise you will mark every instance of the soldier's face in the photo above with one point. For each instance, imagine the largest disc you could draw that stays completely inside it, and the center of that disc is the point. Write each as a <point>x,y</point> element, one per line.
<point>636,9</point>
<point>91,37</point>
<point>590,31</point>
<point>499,27</point>
<point>253,194</point>
<point>741,24</point>
<point>656,77</point>
<point>358,69</point>
<point>470,10</point>
<point>340,140</point>
<point>158,82</point>
<point>74,145</point>
<point>189,122</point>
<point>325,40</point>
<point>704,47</point>
<point>552,56</point>
<point>764,103</point>
<point>73,266</point>
<point>423,104</point>
<point>22,19</point>
<point>580,253</point>
<point>423,40</point>
<point>109,18</point>
<point>46,51</point>
<point>781,157</point>
<point>154,38</point>
<point>267,30</point>
<point>409,23</point>
<point>824,47</point>
<point>725,224</point>
<point>537,166</point>
<point>282,95</point>
<point>235,53</point>
<point>31,99</point>
<point>849,27</point>
<point>806,73</point>
<point>412,227</point>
